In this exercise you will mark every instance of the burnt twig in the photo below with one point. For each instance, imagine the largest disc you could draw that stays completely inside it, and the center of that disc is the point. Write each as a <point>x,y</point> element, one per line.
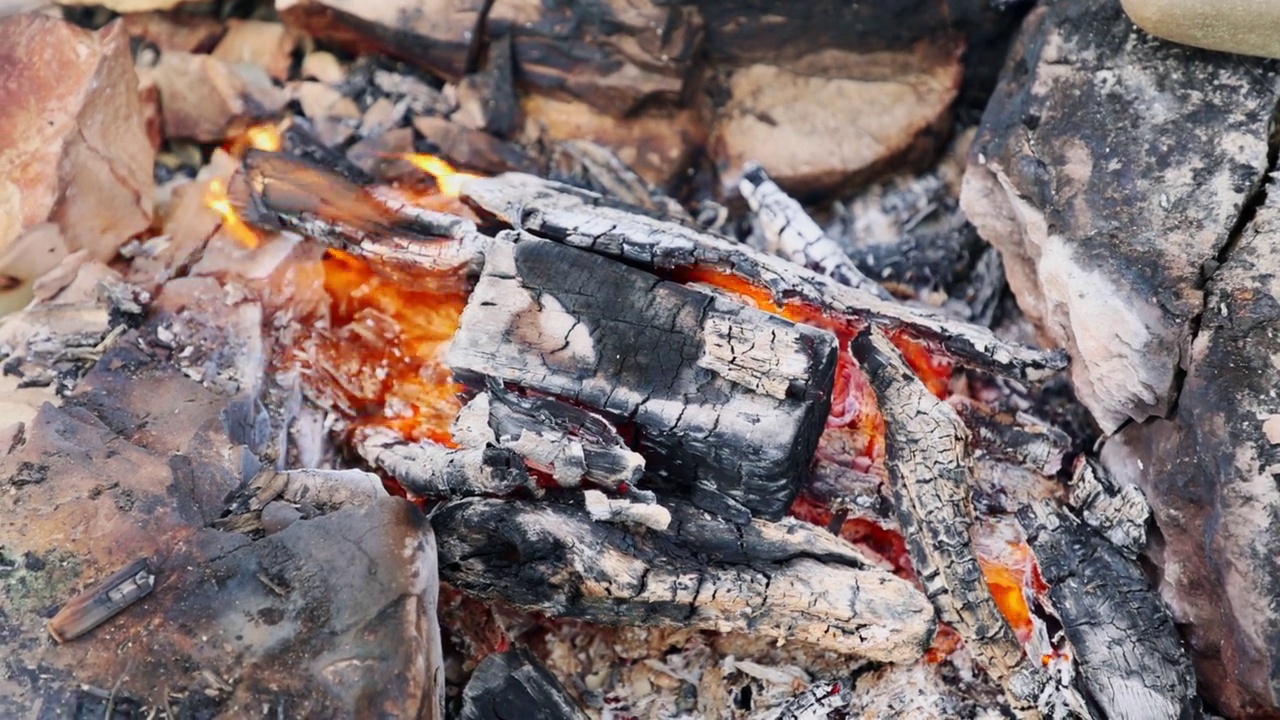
<point>103,601</point>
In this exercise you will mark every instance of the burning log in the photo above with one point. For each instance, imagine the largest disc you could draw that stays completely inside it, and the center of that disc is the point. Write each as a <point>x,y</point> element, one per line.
<point>784,581</point>
<point>514,681</point>
<point>1119,512</point>
<point>586,220</point>
<point>930,470</point>
<point>1131,658</point>
<point>724,397</point>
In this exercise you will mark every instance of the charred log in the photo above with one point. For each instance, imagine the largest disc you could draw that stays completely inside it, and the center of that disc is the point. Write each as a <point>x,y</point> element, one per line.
<point>1119,512</point>
<point>930,469</point>
<point>1131,658</point>
<point>428,469</point>
<point>513,685</point>
<point>552,558</point>
<point>586,220</point>
<point>725,397</point>
<point>1014,437</point>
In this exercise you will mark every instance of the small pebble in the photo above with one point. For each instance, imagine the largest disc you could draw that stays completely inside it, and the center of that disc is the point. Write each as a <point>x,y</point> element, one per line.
<point>277,516</point>
<point>1246,27</point>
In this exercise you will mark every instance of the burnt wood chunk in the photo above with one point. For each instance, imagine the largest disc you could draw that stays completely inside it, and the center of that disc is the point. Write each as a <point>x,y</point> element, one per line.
<point>1014,437</point>
<point>584,219</point>
<point>427,469</point>
<point>724,397</point>
<point>1131,658</point>
<point>551,558</point>
<point>790,233</point>
<point>514,685</point>
<point>930,473</point>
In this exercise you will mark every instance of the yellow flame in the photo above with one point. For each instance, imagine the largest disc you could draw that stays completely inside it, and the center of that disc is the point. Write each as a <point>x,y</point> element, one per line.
<point>216,198</point>
<point>264,137</point>
<point>447,177</point>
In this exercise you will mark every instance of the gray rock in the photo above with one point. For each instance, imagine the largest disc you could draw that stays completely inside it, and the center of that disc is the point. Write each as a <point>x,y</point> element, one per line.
<point>1210,473</point>
<point>1238,26</point>
<point>1109,169</point>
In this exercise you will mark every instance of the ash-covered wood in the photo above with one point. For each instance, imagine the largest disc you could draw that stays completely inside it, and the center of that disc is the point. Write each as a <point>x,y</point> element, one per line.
<point>428,469</point>
<point>514,686</point>
<point>930,471</point>
<point>726,398</point>
<point>584,219</point>
<point>792,234</point>
<point>552,558</point>
<point>1131,659</point>
<point>1014,437</point>
<point>1119,512</point>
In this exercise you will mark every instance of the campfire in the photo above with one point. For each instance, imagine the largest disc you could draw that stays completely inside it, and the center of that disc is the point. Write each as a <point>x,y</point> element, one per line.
<point>504,360</point>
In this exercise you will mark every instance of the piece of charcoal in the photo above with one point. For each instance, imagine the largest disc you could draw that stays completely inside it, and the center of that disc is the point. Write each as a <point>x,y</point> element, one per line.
<point>514,686</point>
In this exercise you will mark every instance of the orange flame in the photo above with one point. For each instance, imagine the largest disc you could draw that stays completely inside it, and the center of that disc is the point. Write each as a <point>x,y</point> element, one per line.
<point>216,199</point>
<point>264,137</point>
<point>447,177</point>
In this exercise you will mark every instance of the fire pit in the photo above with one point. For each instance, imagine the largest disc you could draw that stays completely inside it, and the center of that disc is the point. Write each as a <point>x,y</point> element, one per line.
<point>606,360</point>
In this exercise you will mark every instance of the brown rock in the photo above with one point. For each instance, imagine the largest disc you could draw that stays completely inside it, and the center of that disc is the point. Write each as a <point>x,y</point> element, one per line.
<point>612,54</point>
<point>323,66</point>
<point>380,155</point>
<point>201,98</point>
<point>129,6</point>
<point>658,144</point>
<point>1109,171</point>
<point>434,35</point>
<point>173,31</point>
<point>1210,474</point>
<point>268,45</point>
<point>334,115</point>
<point>836,117</point>
<point>33,253</point>
<point>73,148</point>
<point>472,149</point>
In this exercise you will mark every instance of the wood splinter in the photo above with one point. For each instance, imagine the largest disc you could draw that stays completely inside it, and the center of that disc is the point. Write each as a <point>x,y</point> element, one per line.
<point>103,601</point>
<point>930,473</point>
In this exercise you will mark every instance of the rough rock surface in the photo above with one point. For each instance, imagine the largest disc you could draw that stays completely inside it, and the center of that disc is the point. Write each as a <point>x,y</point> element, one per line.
<point>333,616</point>
<point>1109,170</point>
<point>835,116</point>
<point>73,148</point>
<point>1210,474</point>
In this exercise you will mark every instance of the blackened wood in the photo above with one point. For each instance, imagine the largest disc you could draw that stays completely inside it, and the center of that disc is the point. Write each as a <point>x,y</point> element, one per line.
<point>277,192</point>
<point>427,469</point>
<point>790,233</point>
<point>551,558</point>
<point>1015,437</point>
<point>570,443</point>
<point>514,686</point>
<point>472,150</point>
<point>1119,512</point>
<point>724,397</point>
<point>1131,659</point>
<point>584,219</point>
<point>930,471</point>
<point>299,141</point>
<point>594,167</point>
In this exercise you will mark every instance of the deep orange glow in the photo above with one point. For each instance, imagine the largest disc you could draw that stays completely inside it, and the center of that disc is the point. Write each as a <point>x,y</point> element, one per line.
<point>216,198</point>
<point>448,179</point>
<point>382,360</point>
<point>264,137</point>
<point>1009,576</point>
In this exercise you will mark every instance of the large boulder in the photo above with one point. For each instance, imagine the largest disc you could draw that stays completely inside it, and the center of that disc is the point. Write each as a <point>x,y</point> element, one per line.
<point>1210,473</point>
<point>1110,169</point>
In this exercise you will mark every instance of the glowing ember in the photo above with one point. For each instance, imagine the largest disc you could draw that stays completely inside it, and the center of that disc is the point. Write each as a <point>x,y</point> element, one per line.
<point>216,199</point>
<point>382,360</point>
<point>448,179</point>
<point>263,137</point>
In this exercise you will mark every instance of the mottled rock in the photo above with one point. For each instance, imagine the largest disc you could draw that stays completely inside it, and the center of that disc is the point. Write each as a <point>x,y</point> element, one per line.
<point>1210,474</point>
<point>835,117</point>
<point>329,617</point>
<point>1235,26</point>
<point>1110,169</point>
<point>73,144</point>
<point>266,44</point>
